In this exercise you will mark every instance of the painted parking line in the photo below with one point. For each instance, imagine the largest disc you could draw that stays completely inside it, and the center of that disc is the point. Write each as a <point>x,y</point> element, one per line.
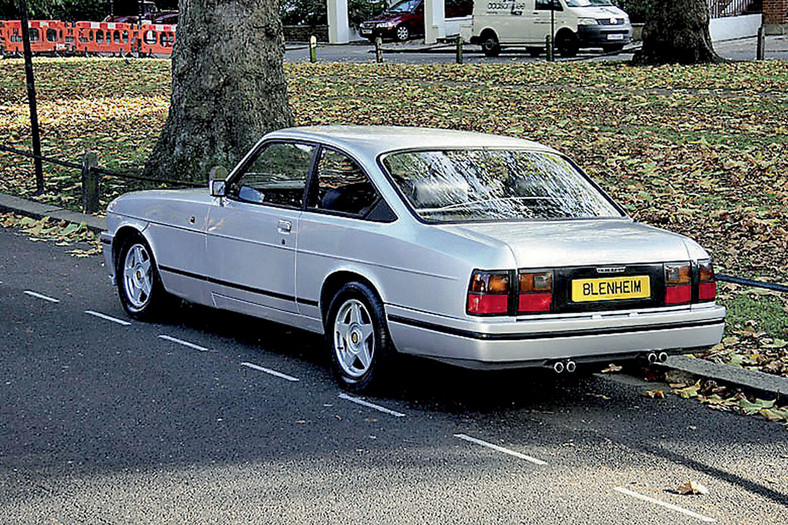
<point>666,505</point>
<point>500,449</point>
<point>184,343</point>
<point>367,404</point>
<point>269,371</point>
<point>42,296</point>
<point>108,317</point>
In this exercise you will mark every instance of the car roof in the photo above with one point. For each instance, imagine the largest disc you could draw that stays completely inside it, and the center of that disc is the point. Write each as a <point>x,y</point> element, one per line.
<point>371,141</point>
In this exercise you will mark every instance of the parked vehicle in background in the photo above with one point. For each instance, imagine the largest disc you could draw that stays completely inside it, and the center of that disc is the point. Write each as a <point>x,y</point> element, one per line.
<point>478,250</point>
<point>405,19</point>
<point>150,14</point>
<point>577,24</point>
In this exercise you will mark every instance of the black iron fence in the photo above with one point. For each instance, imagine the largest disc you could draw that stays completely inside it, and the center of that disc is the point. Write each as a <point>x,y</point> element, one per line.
<point>92,174</point>
<point>723,8</point>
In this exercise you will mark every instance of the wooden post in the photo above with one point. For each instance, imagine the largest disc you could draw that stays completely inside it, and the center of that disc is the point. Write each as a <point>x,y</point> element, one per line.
<point>31,97</point>
<point>378,50</point>
<point>313,49</point>
<point>761,46</point>
<point>90,183</point>
<point>459,50</point>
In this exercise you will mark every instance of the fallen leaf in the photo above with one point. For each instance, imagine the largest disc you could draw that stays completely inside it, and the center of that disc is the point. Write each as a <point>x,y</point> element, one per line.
<point>611,368</point>
<point>692,487</point>
<point>654,394</point>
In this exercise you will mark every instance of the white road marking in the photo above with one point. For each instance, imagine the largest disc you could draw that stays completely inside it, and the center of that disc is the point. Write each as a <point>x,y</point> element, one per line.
<point>40,296</point>
<point>666,505</point>
<point>184,343</point>
<point>108,317</point>
<point>500,449</point>
<point>370,405</point>
<point>269,371</point>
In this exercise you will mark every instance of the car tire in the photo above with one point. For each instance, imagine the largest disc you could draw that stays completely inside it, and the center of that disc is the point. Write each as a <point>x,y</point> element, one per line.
<point>490,45</point>
<point>358,339</point>
<point>141,291</point>
<point>567,44</point>
<point>402,33</point>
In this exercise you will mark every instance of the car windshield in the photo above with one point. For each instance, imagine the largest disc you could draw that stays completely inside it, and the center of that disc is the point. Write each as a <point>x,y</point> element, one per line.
<point>601,2</point>
<point>580,3</point>
<point>473,185</point>
<point>406,6</point>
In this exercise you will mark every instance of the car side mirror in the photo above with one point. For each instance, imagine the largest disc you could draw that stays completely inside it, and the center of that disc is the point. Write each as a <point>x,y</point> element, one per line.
<point>217,188</point>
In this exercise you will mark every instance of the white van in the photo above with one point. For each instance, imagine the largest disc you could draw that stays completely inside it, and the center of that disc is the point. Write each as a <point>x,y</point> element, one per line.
<point>577,24</point>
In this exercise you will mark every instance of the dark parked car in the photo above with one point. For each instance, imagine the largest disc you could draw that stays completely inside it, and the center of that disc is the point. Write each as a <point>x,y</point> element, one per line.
<point>405,19</point>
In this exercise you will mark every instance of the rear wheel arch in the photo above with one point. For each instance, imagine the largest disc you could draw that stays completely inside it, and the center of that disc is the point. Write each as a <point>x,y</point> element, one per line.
<point>335,281</point>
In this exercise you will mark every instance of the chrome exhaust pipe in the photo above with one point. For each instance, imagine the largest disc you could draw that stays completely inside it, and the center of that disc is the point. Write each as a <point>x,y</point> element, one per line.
<point>571,366</point>
<point>663,356</point>
<point>651,358</point>
<point>558,367</point>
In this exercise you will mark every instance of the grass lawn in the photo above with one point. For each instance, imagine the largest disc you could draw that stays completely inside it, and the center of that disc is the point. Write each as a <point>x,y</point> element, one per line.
<point>702,151</point>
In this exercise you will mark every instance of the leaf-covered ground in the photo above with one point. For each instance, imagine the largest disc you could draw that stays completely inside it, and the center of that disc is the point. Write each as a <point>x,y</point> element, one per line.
<point>701,150</point>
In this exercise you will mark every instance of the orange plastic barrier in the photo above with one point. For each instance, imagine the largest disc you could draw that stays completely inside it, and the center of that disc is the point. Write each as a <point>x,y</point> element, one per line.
<point>104,37</point>
<point>45,36</point>
<point>157,39</point>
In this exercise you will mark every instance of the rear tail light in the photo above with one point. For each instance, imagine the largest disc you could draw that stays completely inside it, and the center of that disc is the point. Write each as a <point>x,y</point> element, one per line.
<point>678,283</point>
<point>535,293</point>
<point>707,283</point>
<point>488,293</point>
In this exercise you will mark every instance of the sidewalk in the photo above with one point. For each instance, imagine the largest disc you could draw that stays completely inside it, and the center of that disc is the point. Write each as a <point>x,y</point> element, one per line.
<point>38,211</point>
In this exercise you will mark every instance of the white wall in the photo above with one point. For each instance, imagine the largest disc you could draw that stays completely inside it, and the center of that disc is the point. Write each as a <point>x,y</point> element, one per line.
<point>733,27</point>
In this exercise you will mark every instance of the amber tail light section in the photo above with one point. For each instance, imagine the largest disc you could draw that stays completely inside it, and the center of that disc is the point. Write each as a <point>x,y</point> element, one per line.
<point>678,283</point>
<point>707,283</point>
<point>535,292</point>
<point>488,293</point>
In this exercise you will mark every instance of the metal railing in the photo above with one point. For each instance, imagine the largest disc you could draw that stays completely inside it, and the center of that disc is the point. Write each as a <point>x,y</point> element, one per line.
<point>723,8</point>
<point>92,174</point>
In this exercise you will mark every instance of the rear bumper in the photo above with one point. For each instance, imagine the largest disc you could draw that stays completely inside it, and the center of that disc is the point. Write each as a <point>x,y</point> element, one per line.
<point>538,342</point>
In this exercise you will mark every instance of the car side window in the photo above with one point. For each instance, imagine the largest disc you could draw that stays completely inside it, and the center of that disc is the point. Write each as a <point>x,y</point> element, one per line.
<point>544,5</point>
<point>342,186</point>
<point>276,176</point>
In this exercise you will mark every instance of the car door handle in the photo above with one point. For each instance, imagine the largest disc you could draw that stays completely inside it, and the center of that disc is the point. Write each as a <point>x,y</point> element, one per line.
<point>285,226</point>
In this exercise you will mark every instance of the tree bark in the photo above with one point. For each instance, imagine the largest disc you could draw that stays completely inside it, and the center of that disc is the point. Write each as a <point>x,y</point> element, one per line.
<point>228,87</point>
<point>677,32</point>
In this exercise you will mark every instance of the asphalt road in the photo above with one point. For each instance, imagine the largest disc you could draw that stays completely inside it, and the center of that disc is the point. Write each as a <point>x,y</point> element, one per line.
<point>414,52</point>
<point>107,422</point>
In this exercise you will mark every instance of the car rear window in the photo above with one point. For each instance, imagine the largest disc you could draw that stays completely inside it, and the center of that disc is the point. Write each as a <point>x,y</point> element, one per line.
<point>476,185</point>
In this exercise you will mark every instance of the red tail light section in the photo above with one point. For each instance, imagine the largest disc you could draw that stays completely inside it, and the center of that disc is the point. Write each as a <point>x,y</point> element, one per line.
<point>707,283</point>
<point>536,292</point>
<point>488,293</point>
<point>678,283</point>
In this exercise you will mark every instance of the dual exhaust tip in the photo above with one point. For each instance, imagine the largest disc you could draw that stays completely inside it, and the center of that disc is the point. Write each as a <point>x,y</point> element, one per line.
<point>569,366</point>
<point>654,357</point>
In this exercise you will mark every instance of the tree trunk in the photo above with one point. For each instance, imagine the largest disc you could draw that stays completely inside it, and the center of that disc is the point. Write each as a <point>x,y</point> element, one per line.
<point>677,32</point>
<point>228,87</point>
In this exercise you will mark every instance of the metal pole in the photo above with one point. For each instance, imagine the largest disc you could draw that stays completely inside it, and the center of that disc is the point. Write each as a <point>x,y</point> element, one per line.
<point>550,43</point>
<point>90,183</point>
<point>761,47</point>
<point>378,49</point>
<point>459,50</point>
<point>31,98</point>
<point>111,9</point>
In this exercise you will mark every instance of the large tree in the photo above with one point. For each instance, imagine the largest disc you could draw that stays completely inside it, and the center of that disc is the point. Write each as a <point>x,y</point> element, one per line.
<point>677,32</point>
<point>228,86</point>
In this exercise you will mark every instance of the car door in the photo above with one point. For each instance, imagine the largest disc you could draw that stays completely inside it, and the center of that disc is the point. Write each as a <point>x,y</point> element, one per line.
<point>252,232</point>
<point>540,23</point>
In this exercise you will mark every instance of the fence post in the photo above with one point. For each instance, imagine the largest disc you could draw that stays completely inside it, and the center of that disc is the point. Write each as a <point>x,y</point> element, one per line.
<point>760,50</point>
<point>378,50</point>
<point>459,50</point>
<point>313,49</point>
<point>550,50</point>
<point>90,183</point>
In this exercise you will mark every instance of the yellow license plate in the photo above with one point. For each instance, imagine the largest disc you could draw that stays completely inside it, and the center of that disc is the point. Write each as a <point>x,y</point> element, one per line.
<point>611,288</point>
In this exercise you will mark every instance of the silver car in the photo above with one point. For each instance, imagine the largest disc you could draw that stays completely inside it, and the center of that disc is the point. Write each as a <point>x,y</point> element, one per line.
<point>477,250</point>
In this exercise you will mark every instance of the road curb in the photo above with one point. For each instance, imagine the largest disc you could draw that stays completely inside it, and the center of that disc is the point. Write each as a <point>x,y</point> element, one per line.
<point>768,385</point>
<point>39,210</point>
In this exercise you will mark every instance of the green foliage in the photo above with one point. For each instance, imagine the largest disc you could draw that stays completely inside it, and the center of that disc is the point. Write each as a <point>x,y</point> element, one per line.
<point>313,12</point>
<point>636,9</point>
<point>69,10</point>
